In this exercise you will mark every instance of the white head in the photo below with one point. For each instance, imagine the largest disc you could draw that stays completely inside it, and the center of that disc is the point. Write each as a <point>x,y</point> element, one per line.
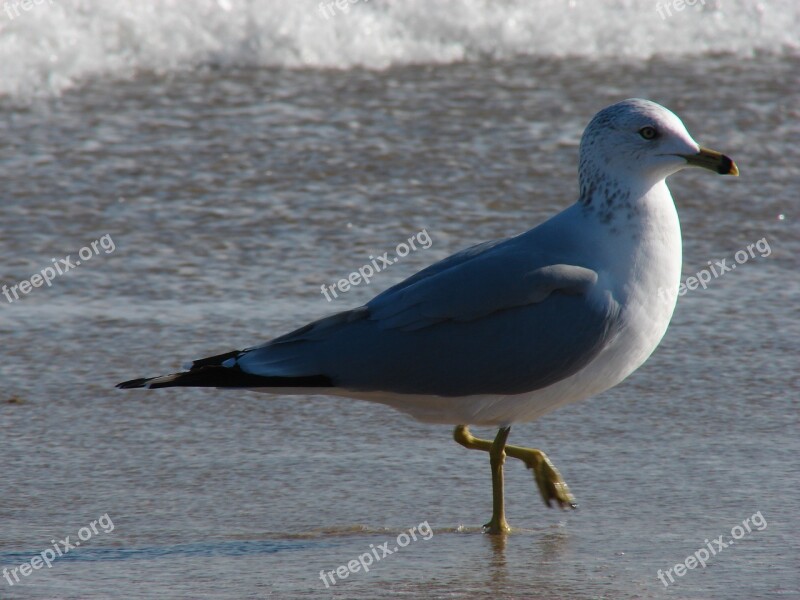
<point>641,143</point>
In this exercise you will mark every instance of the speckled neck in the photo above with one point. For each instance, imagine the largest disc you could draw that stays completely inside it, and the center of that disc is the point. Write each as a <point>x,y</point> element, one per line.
<point>604,195</point>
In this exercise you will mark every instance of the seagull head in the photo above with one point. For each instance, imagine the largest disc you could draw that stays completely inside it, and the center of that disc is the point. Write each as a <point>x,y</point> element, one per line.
<point>640,140</point>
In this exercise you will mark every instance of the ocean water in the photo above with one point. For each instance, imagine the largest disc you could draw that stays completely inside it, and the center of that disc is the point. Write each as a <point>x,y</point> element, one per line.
<point>229,158</point>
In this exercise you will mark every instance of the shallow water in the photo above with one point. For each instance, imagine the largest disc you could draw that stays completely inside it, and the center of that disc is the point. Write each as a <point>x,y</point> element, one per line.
<point>232,192</point>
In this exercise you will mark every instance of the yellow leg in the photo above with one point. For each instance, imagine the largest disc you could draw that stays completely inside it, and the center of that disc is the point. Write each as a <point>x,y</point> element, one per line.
<point>497,456</point>
<point>549,481</point>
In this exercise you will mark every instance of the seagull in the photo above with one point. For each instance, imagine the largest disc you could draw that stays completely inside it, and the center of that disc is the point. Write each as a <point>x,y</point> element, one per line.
<point>511,329</point>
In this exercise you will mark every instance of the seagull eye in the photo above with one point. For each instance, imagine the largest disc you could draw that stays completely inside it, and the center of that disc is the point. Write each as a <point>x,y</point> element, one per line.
<point>648,133</point>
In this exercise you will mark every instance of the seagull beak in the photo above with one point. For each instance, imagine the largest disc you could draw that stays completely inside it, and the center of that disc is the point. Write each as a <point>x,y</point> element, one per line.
<point>712,160</point>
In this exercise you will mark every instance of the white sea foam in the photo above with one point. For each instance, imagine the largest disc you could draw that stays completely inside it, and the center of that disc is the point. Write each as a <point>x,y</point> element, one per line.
<point>57,43</point>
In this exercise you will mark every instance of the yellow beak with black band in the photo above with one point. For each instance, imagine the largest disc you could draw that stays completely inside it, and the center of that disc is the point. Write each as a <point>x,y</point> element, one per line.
<point>713,161</point>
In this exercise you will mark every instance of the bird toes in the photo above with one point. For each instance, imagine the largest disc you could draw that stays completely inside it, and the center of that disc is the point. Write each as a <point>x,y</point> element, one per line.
<point>552,487</point>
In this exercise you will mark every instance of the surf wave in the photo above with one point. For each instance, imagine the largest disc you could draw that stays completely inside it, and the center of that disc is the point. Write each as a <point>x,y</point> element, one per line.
<point>47,46</point>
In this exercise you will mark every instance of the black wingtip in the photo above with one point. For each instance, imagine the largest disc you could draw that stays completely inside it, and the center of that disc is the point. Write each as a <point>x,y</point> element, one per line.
<point>133,383</point>
<point>226,377</point>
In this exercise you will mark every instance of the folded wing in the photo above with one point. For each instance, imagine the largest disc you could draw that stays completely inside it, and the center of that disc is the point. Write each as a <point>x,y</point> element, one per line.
<point>494,319</point>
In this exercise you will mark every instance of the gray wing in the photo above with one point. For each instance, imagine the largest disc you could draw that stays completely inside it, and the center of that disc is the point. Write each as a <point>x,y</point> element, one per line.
<point>495,319</point>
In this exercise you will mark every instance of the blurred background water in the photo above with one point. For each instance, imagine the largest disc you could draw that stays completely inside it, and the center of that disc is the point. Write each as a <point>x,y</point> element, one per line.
<point>240,154</point>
